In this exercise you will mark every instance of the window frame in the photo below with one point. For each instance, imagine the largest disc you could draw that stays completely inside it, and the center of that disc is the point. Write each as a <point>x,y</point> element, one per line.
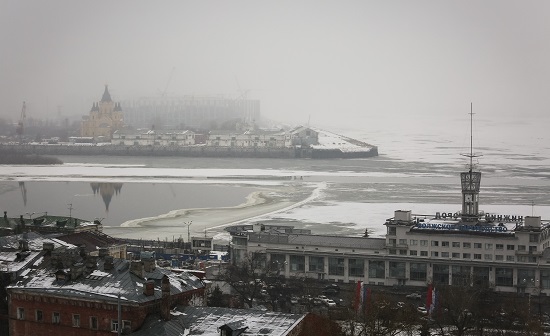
<point>94,322</point>
<point>114,325</point>
<point>56,317</point>
<point>39,315</point>
<point>20,313</point>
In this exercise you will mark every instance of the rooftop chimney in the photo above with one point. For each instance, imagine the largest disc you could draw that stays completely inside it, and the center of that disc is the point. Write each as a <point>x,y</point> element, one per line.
<point>136,267</point>
<point>108,264</point>
<point>23,245</point>
<point>149,288</point>
<point>166,302</point>
<point>149,265</point>
<point>91,263</point>
<point>82,251</point>
<point>103,252</point>
<point>76,270</point>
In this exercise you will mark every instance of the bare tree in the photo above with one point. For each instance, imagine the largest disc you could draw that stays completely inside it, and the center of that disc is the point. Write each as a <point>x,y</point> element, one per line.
<point>247,277</point>
<point>379,316</point>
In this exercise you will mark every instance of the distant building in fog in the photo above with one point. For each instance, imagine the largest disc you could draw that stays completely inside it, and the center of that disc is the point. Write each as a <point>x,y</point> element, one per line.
<point>104,119</point>
<point>189,111</point>
<point>153,138</point>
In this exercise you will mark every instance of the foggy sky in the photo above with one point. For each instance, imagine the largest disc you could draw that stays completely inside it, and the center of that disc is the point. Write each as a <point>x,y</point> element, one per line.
<point>334,62</point>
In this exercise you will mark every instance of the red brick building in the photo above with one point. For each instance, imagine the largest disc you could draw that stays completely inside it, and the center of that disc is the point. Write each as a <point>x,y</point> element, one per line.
<point>95,296</point>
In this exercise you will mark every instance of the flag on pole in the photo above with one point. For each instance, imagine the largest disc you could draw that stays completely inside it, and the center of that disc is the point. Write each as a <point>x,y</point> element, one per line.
<point>357,303</point>
<point>434,301</point>
<point>431,299</point>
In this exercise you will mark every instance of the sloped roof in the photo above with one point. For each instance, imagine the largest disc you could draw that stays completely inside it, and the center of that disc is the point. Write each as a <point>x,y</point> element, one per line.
<point>104,284</point>
<point>16,261</point>
<point>205,321</point>
<point>35,242</point>
<point>92,240</point>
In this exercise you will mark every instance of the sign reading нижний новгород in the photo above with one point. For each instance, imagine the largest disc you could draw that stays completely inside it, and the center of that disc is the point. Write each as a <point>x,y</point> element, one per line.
<point>488,217</point>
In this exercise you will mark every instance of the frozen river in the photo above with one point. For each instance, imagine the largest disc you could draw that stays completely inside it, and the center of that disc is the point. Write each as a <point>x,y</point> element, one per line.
<point>141,197</point>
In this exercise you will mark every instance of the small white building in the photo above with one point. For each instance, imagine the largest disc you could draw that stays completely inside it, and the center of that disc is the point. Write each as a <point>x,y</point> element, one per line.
<point>154,138</point>
<point>250,139</point>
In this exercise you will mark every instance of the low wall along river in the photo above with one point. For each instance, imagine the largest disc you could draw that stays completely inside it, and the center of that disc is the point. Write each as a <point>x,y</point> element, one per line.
<point>190,151</point>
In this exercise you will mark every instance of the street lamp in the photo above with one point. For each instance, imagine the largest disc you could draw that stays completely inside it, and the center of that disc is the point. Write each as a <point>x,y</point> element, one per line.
<point>30,215</point>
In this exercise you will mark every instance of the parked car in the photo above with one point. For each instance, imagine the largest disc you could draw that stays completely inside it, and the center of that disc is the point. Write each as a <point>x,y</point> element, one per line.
<point>330,303</point>
<point>330,291</point>
<point>422,310</point>
<point>413,296</point>
<point>333,286</point>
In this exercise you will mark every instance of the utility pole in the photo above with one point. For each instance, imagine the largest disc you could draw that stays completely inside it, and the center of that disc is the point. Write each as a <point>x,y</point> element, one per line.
<point>188,232</point>
<point>119,311</point>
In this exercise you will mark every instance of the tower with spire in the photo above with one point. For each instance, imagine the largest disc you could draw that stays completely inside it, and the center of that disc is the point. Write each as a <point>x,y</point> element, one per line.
<point>470,182</point>
<point>105,117</point>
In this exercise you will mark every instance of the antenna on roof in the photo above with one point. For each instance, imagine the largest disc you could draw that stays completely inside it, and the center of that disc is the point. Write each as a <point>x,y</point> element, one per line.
<point>471,155</point>
<point>470,182</point>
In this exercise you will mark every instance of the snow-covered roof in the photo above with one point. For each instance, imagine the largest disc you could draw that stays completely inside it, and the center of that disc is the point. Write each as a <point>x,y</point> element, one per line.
<point>15,261</point>
<point>35,242</point>
<point>105,284</point>
<point>206,321</point>
<point>320,240</point>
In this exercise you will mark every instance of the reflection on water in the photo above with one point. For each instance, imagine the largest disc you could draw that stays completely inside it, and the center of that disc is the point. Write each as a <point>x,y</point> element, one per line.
<point>140,199</point>
<point>23,192</point>
<point>106,190</point>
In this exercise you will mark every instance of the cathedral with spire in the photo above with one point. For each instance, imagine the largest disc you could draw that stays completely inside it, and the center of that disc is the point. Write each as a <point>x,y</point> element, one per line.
<point>104,119</point>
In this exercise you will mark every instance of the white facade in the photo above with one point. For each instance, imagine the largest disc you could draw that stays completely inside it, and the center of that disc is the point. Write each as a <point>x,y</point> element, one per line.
<point>152,138</point>
<point>505,258</point>
<point>248,139</point>
<point>299,136</point>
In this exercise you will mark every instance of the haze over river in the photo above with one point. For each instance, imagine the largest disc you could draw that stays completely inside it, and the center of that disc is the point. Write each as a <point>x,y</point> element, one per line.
<point>146,197</point>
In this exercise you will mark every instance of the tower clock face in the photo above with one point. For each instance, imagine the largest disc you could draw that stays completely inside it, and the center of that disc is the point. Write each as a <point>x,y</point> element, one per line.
<point>468,198</point>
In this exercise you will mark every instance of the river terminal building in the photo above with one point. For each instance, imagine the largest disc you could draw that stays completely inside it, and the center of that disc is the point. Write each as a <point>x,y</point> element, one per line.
<point>468,247</point>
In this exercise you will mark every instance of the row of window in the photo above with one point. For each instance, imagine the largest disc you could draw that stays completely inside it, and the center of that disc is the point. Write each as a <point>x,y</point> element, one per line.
<point>457,255</point>
<point>436,243</point>
<point>56,319</point>
<point>417,271</point>
<point>533,237</point>
<point>138,137</point>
